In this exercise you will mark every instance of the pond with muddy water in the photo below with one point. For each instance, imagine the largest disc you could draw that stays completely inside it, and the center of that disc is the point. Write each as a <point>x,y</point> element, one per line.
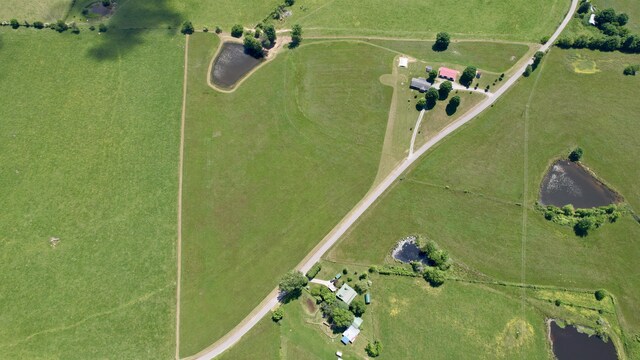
<point>231,64</point>
<point>407,251</point>
<point>567,182</point>
<point>570,344</point>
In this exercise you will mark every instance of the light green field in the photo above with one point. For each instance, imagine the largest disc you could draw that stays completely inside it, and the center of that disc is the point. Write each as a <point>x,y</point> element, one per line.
<point>526,21</point>
<point>269,170</point>
<point>479,218</point>
<point>89,155</point>
<point>43,10</point>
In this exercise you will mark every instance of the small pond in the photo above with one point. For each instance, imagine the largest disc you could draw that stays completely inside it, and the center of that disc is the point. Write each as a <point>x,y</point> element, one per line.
<point>569,344</point>
<point>569,183</point>
<point>231,64</point>
<point>407,251</point>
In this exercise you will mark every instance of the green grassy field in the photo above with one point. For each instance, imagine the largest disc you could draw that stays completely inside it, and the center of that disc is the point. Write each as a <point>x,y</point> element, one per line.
<point>269,170</point>
<point>479,217</point>
<point>423,19</point>
<point>43,10</point>
<point>89,155</point>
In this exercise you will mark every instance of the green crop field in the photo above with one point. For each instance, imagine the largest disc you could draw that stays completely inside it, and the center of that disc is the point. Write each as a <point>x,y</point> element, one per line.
<point>474,193</point>
<point>269,170</point>
<point>43,10</point>
<point>89,155</point>
<point>527,21</point>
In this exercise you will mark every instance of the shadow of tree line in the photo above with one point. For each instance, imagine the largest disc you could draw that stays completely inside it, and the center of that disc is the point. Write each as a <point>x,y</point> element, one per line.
<point>127,26</point>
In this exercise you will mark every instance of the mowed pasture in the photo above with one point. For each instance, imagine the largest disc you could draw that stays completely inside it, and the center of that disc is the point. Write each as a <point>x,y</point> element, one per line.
<point>269,170</point>
<point>525,21</point>
<point>89,156</point>
<point>474,193</point>
<point>43,10</point>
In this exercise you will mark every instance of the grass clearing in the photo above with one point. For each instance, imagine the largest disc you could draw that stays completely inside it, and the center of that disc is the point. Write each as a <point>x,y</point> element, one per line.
<point>43,10</point>
<point>269,170</point>
<point>479,217</point>
<point>89,157</point>
<point>423,19</point>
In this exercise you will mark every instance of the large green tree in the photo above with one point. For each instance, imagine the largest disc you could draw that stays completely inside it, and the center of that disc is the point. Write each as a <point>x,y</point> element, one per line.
<point>442,41</point>
<point>341,318</point>
<point>358,307</point>
<point>467,75</point>
<point>431,96</point>
<point>445,89</point>
<point>296,35</point>
<point>253,46</point>
<point>293,282</point>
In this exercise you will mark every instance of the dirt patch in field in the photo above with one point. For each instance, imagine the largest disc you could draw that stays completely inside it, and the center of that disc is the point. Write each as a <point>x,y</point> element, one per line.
<point>309,306</point>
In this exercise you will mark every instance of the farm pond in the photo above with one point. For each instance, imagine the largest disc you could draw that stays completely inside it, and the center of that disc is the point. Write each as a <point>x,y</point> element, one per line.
<point>231,64</point>
<point>569,183</point>
<point>407,251</point>
<point>570,344</point>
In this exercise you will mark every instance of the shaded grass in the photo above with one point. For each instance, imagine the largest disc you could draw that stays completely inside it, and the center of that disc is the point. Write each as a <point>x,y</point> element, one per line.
<point>423,19</point>
<point>89,156</point>
<point>483,227</point>
<point>269,170</point>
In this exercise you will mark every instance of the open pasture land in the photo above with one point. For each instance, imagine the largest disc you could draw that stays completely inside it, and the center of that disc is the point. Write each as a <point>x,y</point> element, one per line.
<point>479,217</point>
<point>43,10</point>
<point>269,169</point>
<point>88,156</point>
<point>478,19</point>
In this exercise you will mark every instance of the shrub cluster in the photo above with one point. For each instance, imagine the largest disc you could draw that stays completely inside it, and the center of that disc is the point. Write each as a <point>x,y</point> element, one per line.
<point>582,220</point>
<point>631,70</point>
<point>613,33</point>
<point>374,349</point>
<point>315,269</point>
<point>395,270</point>
<point>437,257</point>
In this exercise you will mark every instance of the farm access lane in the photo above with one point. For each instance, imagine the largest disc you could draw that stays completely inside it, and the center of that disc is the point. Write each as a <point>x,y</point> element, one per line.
<point>336,233</point>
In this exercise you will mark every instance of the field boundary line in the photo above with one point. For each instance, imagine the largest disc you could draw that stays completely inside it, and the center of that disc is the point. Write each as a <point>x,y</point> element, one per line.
<point>180,172</point>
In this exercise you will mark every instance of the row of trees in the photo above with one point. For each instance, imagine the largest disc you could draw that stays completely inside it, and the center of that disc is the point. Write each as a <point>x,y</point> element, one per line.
<point>582,220</point>
<point>537,58</point>
<point>59,26</point>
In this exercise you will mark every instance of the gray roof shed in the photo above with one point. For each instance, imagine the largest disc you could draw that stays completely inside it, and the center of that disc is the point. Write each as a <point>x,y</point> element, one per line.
<point>420,84</point>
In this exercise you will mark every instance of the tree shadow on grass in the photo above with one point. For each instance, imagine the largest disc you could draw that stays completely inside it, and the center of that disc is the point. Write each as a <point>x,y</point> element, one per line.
<point>450,109</point>
<point>126,28</point>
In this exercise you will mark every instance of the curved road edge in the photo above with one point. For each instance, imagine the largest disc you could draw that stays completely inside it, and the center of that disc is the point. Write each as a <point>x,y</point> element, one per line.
<point>336,233</point>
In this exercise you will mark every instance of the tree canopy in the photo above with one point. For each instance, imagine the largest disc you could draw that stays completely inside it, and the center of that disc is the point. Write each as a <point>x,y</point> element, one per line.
<point>442,41</point>
<point>292,282</point>
<point>445,89</point>
<point>237,30</point>
<point>341,318</point>
<point>467,75</point>
<point>358,307</point>
<point>187,28</point>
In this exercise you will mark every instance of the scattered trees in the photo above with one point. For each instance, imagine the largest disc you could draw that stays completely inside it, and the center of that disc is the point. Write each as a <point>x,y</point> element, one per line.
<point>187,28</point>
<point>237,30</point>
<point>292,283</point>
<point>38,24</point>
<point>442,41</point>
<point>467,75</point>
<point>60,26</point>
<point>374,349</point>
<point>296,35</point>
<point>576,154</point>
<point>453,104</point>
<point>445,89</point>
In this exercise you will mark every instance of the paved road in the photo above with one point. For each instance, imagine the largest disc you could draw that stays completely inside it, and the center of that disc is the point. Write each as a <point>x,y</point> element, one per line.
<point>271,301</point>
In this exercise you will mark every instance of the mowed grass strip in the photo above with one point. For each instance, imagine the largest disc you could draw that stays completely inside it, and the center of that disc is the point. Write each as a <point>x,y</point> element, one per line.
<point>524,21</point>
<point>89,155</point>
<point>269,170</point>
<point>482,227</point>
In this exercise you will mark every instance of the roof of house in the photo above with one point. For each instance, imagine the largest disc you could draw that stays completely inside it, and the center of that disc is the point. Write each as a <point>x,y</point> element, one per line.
<point>420,83</point>
<point>357,322</point>
<point>448,73</point>
<point>403,62</point>
<point>346,294</point>
<point>351,333</point>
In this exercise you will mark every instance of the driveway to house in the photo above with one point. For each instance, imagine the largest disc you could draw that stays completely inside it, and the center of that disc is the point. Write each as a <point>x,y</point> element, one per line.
<point>336,233</point>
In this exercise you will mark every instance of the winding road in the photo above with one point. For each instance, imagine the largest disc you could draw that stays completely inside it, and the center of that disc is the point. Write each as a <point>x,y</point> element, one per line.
<point>336,233</point>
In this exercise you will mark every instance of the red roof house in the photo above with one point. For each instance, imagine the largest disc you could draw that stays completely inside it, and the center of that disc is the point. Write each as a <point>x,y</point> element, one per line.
<point>448,74</point>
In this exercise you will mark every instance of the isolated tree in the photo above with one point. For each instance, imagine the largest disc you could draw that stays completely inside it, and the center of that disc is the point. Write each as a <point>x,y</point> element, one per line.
<point>296,35</point>
<point>576,154</point>
<point>277,314</point>
<point>102,28</point>
<point>289,2</point>
<point>341,318</point>
<point>237,30</point>
<point>270,32</point>
<point>293,282</point>
<point>453,104</point>
<point>38,24</point>
<point>187,28</point>
<point>374,349</point>
<point>14,23</point>
<point>432,76</point>
<point>431,96</point>
<point>421,104</point>
<point>445,89</point>
<point>442,41</point>
<point>629,70</point>
<point>358,307</point>
<point>600,294</point>
<point>467,75</point>
<point>528,71</point>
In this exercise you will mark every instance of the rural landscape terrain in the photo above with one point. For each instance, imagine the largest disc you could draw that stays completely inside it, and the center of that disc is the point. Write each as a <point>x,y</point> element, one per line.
<point>319,179</point>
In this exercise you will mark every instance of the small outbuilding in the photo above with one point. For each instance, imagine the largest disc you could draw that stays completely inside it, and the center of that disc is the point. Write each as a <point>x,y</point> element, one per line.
<point>448,74</point>
<point>357,322</point>
<point>346,294</point>
<point>592,19</point>
<point>367,298</point>
<point>403,62</point>
<point>420,84</point>
<point>350,335</point>
<point>428,69</point>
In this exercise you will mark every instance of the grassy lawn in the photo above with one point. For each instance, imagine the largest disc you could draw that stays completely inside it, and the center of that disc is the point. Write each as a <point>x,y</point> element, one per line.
<point>43,10</point>
<point>89,156</point>
<point>524,21</point>
<point>480,215</point>
<point>269,170</point>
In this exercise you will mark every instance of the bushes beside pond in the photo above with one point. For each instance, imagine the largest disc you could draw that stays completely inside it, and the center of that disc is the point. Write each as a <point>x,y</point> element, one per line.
<point>582,220</point>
